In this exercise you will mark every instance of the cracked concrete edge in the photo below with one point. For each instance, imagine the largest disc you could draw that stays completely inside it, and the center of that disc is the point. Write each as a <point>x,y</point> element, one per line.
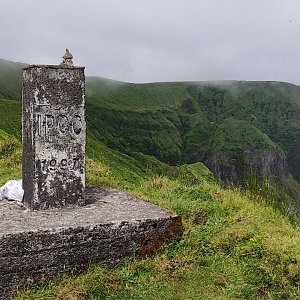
<point>77,248</point>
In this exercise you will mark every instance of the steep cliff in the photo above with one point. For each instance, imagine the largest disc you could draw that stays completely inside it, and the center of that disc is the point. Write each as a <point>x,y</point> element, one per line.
<point>233,167</point>
<point>239,148</point>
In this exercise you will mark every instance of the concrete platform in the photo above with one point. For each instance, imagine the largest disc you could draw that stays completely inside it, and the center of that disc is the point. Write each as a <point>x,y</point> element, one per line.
<point>40,245</point>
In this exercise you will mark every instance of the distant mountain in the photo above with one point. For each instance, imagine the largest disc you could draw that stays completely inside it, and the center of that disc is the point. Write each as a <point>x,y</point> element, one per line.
<point>234,127</point>
<point>188,121</point>
<point>10,79</point>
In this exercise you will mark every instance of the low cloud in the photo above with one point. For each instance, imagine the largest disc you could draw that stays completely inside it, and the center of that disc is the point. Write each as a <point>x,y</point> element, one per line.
<point>158,40</point>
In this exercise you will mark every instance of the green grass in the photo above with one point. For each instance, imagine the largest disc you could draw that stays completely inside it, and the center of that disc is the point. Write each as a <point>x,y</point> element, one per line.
<point>10,117</point>
<point>176,121</point>
<point>10,157</point>
<point>235,134</point>
<point>183,122</point>
<point>135,97</point>
<point>272,107</point>
<point>234,246</point>
<point>10,79</point>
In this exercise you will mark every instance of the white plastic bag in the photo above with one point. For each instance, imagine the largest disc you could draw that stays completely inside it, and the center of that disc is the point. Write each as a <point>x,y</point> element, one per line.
<point>12,190</point>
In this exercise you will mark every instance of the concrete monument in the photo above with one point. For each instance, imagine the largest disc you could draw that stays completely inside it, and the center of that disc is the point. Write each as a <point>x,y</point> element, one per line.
<point>53,135</point>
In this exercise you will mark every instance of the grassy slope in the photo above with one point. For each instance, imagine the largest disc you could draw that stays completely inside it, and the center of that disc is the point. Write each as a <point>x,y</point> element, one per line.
<point>10,140</point>
<point>185,122</point>
<point>188,114</point>
<point>272,107</point>
<point>10,117</point>
<point>135,97</point>
<point>234,246</point>
<point>235,134</point>
<point>176,122</point>
<point>10,79</point>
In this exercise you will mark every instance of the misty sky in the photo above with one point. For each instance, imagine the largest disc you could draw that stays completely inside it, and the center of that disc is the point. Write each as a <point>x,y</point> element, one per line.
<point>158,40</point>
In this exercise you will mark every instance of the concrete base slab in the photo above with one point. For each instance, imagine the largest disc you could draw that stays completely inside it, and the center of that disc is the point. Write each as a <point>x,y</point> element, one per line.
<point>40,245</point>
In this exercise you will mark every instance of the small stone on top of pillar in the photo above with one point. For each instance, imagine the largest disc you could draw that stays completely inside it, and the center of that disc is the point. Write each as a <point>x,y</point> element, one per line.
<point>67,59</point>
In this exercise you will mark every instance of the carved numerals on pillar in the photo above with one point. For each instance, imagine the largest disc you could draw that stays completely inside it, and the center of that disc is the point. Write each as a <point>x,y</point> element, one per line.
<point>48,125</point>
<point>64,164</point>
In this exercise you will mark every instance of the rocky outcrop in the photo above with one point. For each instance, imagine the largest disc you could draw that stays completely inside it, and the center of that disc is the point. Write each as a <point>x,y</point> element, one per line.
<point>234,166</point>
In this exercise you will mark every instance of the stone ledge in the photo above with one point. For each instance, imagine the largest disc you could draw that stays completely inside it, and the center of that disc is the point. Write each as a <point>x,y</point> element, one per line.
<point>53,67</point>
<point>39,245</point>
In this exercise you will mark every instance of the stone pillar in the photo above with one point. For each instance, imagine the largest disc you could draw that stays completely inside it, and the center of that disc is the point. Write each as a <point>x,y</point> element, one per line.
<point>53,136</point>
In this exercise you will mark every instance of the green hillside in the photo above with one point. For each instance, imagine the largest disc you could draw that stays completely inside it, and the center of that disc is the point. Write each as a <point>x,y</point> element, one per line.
<point>188,122</point>
<point>176,122</point>
<point>10,79</point>
<point>234,245</point>
<point>235,134</point>
<point>195,110</point>
<point>184,122</point>
<point>272,107</point>
<point>237,244</point>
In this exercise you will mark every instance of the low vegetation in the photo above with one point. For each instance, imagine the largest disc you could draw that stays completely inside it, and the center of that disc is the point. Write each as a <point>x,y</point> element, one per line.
<point>236,244</point>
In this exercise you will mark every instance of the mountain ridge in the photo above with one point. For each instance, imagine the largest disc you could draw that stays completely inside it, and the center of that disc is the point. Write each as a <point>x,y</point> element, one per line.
<point>236,243</point>
<point>178,122</point>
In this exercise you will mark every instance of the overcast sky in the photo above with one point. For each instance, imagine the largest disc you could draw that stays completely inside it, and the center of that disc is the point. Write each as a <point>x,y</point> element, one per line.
<point>158,40</point>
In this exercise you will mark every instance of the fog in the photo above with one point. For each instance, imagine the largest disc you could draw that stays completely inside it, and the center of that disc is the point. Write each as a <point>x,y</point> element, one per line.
<point>158,40</point>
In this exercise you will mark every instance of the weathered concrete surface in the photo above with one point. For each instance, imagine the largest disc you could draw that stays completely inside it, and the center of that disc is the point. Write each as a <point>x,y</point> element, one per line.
<point>53,136</point>
<point>113,226</point>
